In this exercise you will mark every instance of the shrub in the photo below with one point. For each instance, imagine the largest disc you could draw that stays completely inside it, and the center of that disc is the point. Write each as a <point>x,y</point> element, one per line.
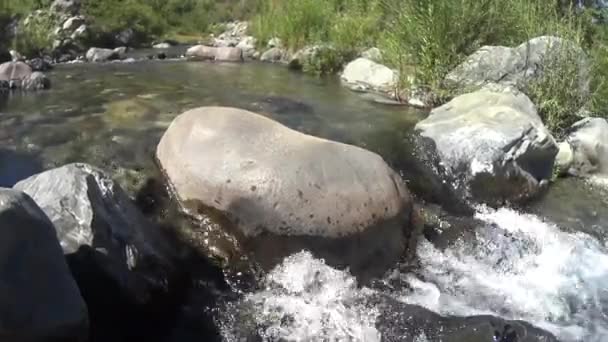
<point>34,36</point>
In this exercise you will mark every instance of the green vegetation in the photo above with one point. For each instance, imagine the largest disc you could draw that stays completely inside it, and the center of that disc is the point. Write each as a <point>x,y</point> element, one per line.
<point>422,39</point>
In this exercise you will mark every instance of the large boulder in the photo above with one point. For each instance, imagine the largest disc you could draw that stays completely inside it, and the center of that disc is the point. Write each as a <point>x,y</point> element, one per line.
<point>366,74</point>
<point>282,191</point>
<point>90,211</point>
<point>520,65</point>
<point>493,143</point>
<point>40,300</point>
<point>585,150</point>
<point>228,54</point>
<point>18,75</point>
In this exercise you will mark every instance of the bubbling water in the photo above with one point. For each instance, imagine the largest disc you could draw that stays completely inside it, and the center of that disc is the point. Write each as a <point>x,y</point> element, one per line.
<point>523,268</point>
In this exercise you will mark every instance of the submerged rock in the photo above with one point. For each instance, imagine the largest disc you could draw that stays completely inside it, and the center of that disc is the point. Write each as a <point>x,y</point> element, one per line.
<point>90,211</point>
<point>585,150</point>
<point>283,191</point>
<point>18,75</point>
<point>39,299</point>
<point>493,143</point>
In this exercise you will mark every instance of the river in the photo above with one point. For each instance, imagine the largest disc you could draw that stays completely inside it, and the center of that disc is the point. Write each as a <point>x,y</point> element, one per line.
<point>546,264</point>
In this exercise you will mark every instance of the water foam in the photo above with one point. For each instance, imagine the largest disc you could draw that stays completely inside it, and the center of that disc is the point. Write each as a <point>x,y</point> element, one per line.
<point>306,300</point>
<point>520,267</point>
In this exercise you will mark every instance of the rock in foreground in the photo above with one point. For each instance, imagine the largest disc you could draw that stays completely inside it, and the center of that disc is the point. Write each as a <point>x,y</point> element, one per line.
<point>39,298</point>
<point>90,211</point>
<point>285,191</point>
<point>493,143</point>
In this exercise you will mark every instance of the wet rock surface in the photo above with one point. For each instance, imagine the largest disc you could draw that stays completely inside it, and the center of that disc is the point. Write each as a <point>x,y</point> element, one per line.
<point>40,300</point>
<point>494,143</point>
<point>366,220</point>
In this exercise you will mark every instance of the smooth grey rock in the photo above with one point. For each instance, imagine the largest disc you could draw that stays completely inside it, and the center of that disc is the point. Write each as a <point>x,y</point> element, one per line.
<point>201,52</point>
<point>20,76</point>
<point>40,300</point>
<point>520,65</point>
<point>89,210</point>
<point>493,143</point>
<point>220,54</point>
<point>368,74</point>
<point>162,46</point>
<point>80,32</point>
<point>284,190</point>
<point>102,55</point>
<point>228,54</point>
<point>588,146</point>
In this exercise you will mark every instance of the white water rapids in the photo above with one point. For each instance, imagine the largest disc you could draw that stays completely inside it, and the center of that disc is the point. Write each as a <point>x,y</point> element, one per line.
<point>519,267</point>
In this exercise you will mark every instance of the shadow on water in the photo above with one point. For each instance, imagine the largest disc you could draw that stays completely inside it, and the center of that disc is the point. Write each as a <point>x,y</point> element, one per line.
<point>15,166</point>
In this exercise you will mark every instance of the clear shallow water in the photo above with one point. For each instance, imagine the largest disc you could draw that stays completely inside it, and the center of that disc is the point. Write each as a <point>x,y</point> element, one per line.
<point>515,265</point>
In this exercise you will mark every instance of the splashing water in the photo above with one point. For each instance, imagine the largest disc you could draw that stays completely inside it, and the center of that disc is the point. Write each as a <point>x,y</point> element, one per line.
<point>521,268</point>
<point>306,300</point>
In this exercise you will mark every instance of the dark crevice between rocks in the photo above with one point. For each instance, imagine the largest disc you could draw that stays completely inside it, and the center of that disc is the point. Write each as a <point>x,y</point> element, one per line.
<point>180,310</point>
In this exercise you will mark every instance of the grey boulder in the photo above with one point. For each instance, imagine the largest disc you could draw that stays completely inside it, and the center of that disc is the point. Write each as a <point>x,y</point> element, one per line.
<point>283,191</point>
<point>40,300</point>
<point>19,75</point>
<point>585,150</point>
<point>520,65</point>
<point>90,211</point>
<point>365,74</point>
<point>493,144</point>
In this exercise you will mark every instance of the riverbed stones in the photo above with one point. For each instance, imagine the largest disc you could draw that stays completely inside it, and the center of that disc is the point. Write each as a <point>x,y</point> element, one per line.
<point>365,74</point>
<point>19,75</point>
<point>521,65</point>
<point>219,54</point>
<point>283,191</point>
<point>103,55</point>
<point>40,300</point>
<point>585,150</point>
<point>493,144</point>
<point>91,212</point>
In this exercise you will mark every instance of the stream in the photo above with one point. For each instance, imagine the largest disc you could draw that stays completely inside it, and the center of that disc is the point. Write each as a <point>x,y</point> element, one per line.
<point>546,264</point>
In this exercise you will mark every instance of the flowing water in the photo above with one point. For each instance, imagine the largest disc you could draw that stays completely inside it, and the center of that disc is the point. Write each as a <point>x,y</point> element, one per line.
<point>547,265</point>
